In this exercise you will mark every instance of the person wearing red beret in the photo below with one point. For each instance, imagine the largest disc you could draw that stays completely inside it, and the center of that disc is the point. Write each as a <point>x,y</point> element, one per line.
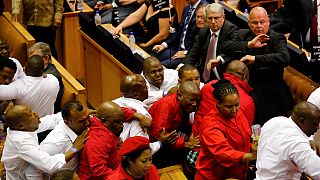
<point>136,162</point>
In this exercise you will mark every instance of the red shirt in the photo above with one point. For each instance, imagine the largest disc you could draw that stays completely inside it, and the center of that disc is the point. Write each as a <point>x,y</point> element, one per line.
<point>100,154</point>
<point>223,144</point>
<point>208,101</point>
<point>120,173</point>
<point>166,113</point>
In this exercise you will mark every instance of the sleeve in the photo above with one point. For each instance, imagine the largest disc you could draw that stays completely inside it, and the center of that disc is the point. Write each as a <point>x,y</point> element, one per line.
<point>161,119</point>
<point>36,156</point>
<point>279,55</point>
<point>195,53</point>
<point>98,155</point>
<point>49,122</point>
<point>314,97</point>
<point>128,114</point>
<point>216,143</point>
<point>306,159</point>
<point>155,147</point>
<point>58,9</point>
<point>9,92</point>
<point>16,6</point>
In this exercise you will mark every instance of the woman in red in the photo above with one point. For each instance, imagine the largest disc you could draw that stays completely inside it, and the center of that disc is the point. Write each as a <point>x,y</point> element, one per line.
<point>137,161</point>
<point>225,138</point>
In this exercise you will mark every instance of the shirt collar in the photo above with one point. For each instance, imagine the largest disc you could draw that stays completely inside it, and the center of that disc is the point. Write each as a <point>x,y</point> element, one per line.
<point>73,136</point>
<point>217,32</point>
<point>297,127</point>
<point>196,5</point>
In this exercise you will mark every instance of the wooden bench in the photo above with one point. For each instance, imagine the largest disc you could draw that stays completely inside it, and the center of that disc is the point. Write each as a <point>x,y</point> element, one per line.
<point>19,40</point>
<point>300,85</point>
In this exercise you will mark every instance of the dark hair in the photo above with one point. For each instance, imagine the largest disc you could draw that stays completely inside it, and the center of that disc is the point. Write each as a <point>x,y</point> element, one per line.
<point>35,66</point>
<point>186,67</point>
<point>63,175</point>
<point>132,156</point>
<point>70,106</point>
<point>222,88</point>
<point>6,62</point>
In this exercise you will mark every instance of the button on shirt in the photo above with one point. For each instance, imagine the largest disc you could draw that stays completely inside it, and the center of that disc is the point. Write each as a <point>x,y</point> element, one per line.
<point>284,152</point>
<point>38,93</point>
<point>133,128</point>
<point>170,80</point>
<point>21,149</point>
<point>59,140</point>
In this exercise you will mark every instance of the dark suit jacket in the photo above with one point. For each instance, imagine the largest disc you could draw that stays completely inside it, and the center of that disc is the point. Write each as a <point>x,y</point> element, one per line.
<point>294,17</point>
<point>198,53</point>
<point>51,69</point>
<point>174,40</point>
<point>271,94</point>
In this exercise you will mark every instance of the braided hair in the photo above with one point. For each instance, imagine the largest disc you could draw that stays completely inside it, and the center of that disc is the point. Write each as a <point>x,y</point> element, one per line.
<point>222,88</point>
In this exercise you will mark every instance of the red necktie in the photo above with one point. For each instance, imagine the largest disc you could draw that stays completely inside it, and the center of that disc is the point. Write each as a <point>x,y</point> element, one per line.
<point>314,24</point>
<point>211,48</point>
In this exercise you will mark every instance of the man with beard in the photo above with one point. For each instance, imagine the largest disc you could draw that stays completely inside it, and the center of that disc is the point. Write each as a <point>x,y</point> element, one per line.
<point>100,155</point>
<point>171,114</point>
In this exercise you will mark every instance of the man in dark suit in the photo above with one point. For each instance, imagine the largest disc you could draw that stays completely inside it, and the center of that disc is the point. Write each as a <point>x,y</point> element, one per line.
<point>266,54</point>
<point>199,56</point>
<point>294,18</point>
<point>179,42</point>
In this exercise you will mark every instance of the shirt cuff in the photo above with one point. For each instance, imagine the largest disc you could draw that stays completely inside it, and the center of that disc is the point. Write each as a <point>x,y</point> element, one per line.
<point>164,44</point>
<point>221,59</point>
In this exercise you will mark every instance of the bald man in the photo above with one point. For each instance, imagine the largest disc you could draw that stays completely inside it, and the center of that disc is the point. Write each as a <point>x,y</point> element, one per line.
<point>172,114</point>
<point>284,151</point>
<point>238,74</point>
<point>158,79</point>
<point>22,149</point>
<point>134,90</point>
<point>265,53</point>
<point>100,155</point>
<point>36,91</point>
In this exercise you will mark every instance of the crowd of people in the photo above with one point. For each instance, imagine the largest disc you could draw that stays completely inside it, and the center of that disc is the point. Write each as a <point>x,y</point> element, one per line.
<point>188,115</point>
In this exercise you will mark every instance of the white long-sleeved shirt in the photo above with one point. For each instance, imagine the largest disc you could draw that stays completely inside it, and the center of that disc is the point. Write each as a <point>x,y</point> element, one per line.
<point>133,128</point>
<point>19,73</point>
<point>170,80</point>
<point>58,141</point>
<point>21,149</point>
<point>38,93</point>
<point>314,97</point>
<point>284,152</point>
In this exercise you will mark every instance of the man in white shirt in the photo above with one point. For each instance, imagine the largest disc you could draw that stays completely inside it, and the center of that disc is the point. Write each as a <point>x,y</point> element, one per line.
<point>73,121</point>
<point>34,90</point>
<point>314,97</point>
<point>21,147</point>
<point>4,52</point>
<point>284,151</point>
<point>159,80</point>
<point>134,90</point>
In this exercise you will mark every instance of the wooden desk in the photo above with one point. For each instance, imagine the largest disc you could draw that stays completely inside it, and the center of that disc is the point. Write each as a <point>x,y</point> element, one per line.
<point>70,46</point>
<point>103,72</point>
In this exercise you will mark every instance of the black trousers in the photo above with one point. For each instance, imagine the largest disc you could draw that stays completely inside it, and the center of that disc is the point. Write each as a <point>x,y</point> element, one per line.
<point>46,35</point>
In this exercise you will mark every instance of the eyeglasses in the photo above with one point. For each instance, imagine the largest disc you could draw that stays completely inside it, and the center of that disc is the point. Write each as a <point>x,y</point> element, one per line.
<point>215,18</point>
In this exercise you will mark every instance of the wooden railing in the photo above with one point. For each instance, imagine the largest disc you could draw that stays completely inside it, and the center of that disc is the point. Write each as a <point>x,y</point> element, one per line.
<point>19,40</point>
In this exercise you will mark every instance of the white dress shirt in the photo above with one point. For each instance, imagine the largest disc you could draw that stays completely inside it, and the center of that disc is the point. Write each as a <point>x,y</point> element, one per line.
<point>314,97</point>
<point>19,73</point>
<point>58,141</point>
<point>21,149</point>
<point>284,152</point>
<point>133,128</point>
<point>170,80</point>
<point>38,93</point>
